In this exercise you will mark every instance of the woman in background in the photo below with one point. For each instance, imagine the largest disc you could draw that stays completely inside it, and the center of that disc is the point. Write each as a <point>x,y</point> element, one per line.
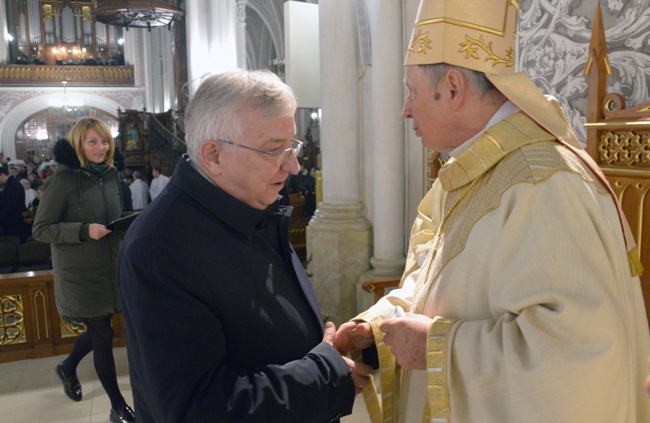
<point>78,201</point>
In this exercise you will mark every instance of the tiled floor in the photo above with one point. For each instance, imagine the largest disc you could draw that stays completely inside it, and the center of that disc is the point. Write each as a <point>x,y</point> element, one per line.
<point>30,392</point>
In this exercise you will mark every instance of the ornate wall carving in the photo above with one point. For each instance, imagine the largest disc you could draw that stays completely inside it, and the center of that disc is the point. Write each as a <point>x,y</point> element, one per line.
<point>12,320</point>
<point>554,38</point>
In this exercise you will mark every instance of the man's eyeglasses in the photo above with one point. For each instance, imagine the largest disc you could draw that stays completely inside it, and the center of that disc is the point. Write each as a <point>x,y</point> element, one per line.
<point>296,146</point>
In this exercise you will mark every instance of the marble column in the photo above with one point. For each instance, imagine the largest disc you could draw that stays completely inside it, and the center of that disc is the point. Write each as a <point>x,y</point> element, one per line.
<point>4,42</point>
<point>167,63</point>
<point>211,39</point>
<point>388,145</point>
<point>388,137</point>
<point>338,236</point>
<point>159,67</point>
<point>133,55</point>
<point>241,33</point>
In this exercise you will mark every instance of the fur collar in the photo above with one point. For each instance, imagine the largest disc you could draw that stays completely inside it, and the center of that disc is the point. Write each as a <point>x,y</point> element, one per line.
<point>64,154</point>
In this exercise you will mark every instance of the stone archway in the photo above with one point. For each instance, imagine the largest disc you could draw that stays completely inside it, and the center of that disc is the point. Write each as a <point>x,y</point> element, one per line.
<point>21,112</point>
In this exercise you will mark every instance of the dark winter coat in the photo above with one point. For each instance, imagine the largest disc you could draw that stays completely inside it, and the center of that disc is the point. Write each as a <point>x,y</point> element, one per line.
<point>221,320</point>
<point>85,270</point>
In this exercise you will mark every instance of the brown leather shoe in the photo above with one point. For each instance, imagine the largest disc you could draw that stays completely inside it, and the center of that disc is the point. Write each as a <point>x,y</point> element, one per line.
<point>124,416</point>
<point>71,385</point>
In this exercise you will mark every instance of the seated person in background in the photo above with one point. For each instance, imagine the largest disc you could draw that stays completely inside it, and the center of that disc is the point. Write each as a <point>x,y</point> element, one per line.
<point>37,200</point>
<point>30,193</point>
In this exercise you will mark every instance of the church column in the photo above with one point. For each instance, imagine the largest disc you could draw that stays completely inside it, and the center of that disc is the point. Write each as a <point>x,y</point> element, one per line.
<point>388,144</point>
<point>4,42</point>
<point>152,78</point>
<point>133,54</point>
<point>211,39</point>
<point>159,68</point>
<point>241,33</point>
<point>167,63</point>
<point>338,236</point>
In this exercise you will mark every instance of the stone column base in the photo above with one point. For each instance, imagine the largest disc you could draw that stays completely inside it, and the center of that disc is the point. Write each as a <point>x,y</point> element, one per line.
<point>339,243</point>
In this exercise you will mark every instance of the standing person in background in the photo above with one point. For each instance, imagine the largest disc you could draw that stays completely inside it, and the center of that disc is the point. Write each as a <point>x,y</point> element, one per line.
<point>125,192</point>
<point>78,201</point>
<point>521,285</point>
<point>308,191</point>
<point>158,183</point>
<point>139,191</point>
<point>222,322</point>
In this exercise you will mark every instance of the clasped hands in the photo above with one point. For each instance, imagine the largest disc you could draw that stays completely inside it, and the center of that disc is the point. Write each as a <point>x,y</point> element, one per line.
<point>406,336</point>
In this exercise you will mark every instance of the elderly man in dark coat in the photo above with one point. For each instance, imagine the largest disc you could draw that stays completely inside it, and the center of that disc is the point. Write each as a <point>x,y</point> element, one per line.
<point>222,323</point>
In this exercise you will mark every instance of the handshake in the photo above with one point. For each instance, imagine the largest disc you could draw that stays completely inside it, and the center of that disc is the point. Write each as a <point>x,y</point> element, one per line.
<point>406,334</point>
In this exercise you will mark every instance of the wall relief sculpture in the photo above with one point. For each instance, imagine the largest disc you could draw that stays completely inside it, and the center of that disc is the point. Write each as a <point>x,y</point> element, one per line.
<point>553,49</point>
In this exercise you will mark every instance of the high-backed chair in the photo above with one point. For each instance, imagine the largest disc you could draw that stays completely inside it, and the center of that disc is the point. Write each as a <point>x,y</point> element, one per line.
<point>618,139</point>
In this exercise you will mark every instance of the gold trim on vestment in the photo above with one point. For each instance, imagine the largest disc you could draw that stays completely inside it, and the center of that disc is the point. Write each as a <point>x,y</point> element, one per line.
<point>439,408</point>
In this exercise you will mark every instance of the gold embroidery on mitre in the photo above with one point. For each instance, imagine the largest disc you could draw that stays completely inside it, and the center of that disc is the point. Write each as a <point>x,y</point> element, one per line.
<point>423,43</point>
<point>482,39</point>
<point>471,45</point>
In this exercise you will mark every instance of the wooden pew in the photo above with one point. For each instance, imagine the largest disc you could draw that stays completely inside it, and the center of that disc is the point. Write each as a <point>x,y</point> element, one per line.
<point>30,326</point>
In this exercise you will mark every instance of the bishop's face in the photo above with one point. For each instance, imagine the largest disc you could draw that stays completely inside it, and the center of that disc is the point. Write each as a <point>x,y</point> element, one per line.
<point>428,110</point>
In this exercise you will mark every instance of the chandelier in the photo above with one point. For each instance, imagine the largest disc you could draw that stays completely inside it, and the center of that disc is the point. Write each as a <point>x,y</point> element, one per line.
<point>137,13</point>
<point>63,105</point>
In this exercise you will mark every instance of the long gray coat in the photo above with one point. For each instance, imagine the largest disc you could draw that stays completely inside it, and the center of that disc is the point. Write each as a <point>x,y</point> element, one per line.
<point>85,270</point>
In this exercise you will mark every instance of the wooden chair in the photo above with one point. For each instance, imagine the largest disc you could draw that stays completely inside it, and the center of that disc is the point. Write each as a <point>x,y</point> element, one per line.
<point>618,139</point>
<point>379,286</point>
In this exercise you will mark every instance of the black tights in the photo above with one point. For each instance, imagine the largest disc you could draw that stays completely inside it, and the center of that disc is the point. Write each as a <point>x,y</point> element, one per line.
<point>99,339</point>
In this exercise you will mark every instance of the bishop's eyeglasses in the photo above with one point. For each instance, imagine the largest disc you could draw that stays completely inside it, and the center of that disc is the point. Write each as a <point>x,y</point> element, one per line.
<point>296,146</point>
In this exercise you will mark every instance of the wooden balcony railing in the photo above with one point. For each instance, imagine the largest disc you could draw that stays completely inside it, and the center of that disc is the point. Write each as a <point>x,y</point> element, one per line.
<point>76,76</point>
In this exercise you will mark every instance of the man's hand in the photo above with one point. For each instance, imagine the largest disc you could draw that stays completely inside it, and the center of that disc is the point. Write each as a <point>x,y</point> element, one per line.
<point>353,336</point>
<point>360,371</point>
<point>407,337</point>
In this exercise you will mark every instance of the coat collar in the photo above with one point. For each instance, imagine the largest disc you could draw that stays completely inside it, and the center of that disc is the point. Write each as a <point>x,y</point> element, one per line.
<point>241,217</point>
